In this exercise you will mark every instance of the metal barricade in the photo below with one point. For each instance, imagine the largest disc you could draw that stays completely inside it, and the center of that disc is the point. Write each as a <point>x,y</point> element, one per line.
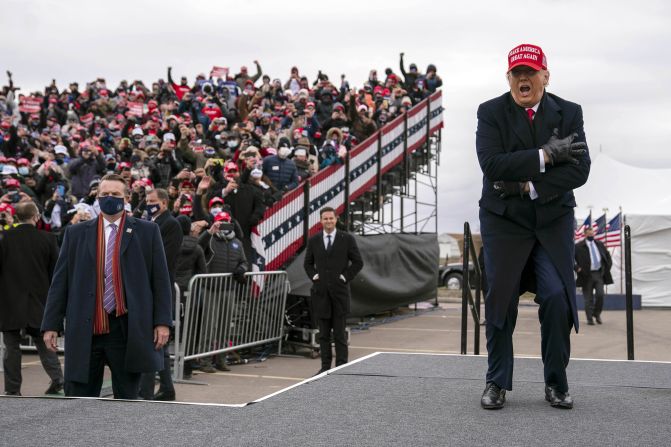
<point>223,315</point>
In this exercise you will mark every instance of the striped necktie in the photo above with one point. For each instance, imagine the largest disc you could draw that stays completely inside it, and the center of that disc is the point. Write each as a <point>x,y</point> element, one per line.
<point>109,302</point>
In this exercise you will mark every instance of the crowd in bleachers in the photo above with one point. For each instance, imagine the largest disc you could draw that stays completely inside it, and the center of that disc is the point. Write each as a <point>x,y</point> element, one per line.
<point>224,141</point>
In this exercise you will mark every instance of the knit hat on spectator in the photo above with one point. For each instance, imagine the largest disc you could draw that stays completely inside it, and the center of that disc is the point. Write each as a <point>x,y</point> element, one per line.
<point>338,106</point>
<point>303,143</point>
<point>6,207</point>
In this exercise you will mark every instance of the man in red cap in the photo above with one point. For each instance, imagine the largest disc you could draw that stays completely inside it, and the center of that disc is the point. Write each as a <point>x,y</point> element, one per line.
<point>532,152</point>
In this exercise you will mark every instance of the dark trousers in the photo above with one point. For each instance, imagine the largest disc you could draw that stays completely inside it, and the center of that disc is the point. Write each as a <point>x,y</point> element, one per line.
<point>338,325</point>
<point>555,318</point>
<point>11,362</point>
<point>164,378</point>
<point>592,292</point>
<point>108,349</point>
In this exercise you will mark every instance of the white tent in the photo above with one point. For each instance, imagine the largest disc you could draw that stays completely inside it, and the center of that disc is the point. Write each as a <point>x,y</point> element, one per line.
<point>645,198</point>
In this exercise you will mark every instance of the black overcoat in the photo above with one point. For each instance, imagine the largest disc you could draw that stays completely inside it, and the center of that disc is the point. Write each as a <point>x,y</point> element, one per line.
<point>330,293</point>
<point>27,260</point>
<point>507,148</point>
<point>584,261</point>
<point>147,290</point>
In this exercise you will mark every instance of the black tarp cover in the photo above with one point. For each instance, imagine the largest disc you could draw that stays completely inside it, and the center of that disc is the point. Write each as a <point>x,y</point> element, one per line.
<point>399,269</point>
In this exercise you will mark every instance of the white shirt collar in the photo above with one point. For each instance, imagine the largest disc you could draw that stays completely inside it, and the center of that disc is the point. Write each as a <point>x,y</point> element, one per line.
<point>107,223</point>
<point>332,234</point>
<point>534,108</point>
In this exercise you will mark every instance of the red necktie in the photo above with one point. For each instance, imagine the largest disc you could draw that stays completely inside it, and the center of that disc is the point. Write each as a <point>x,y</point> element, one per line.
<point>531,113</point>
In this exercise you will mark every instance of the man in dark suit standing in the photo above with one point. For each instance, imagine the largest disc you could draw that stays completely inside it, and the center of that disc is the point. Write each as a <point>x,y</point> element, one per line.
<point>532,152</point>
<point>112,286</point>
<point>27,260</point>
<point>332,260</point>
<point>593,263</point>
<point>171,234</point>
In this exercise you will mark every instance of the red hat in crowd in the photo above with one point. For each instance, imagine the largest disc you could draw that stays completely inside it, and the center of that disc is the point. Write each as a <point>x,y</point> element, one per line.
<point>216,200</point>
<point>186,184</point>
<point>230,166</point>
<point>11,161</point>
<point>186,208</point>
<point>222,217</point>
<point>529,55</point>
<point>124,165</point>
<point>23,162</point>
<point>12,183</point>
<point>4,207</point>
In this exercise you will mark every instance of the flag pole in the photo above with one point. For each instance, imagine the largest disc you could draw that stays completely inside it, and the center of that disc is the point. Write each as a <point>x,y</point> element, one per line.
<point>622,224</point>
<point>605,240</point>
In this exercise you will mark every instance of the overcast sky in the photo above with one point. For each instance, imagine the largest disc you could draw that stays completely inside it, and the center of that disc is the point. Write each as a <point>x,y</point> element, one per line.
<point>612,57</point>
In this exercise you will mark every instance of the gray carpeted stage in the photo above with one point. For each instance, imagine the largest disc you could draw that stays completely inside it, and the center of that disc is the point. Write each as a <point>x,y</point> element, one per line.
<point>383,399</point>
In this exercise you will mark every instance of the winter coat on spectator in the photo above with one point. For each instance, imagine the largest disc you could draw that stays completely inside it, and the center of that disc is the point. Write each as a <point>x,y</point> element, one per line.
<point>190,262</point>
<point>361,128</point>
<point>281,171</point>
<point>242,78</point>
<point>27,261</point>
<point>82,171</point>
<point>223,255</point>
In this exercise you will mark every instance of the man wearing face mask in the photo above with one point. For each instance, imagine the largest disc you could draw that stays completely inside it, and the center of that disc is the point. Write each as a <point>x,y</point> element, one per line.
<point>281,170</point>
<point>224,253</point>
<point>532,152</point>
<point>111,283</point>
<point>593,263</point>
<point>171,234</point>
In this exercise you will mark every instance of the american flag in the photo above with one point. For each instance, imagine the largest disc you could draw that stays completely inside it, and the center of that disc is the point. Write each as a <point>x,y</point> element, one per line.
<point>258,261</point>
<point>580,231</point>
<point>600,226</point>
<point>614,232</point>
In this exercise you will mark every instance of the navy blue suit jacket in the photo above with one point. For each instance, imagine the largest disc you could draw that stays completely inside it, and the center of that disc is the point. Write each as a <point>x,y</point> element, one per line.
<point>507,148</point>
<point>146,285</point>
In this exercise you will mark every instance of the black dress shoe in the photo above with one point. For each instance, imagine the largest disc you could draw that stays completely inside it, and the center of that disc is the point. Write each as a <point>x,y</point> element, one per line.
<point>558,399</point>
<point>165,395</point>
<point>323,370</point>
<point>12,393</point>
<point>493,397</point>
<point>590,322</point>
<point>598,319</point>
<point>54,388</point>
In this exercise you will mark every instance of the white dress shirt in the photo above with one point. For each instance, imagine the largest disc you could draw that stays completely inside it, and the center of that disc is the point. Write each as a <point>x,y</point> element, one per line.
<point>108,229</point>
<point>326,240</point>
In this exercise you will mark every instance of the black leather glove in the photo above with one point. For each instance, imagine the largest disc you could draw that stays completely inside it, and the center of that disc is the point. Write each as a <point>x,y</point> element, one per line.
<point>564,150</point>
<point>508,189</point>
<point>239,275</point>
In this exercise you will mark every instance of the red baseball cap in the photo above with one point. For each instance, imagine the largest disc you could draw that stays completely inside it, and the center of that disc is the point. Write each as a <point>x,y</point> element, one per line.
<point>4,207</point>
<point>215,200</point>
<point>231,166</point>
<point>12,183</point>
<point>529,55</point>
<point>222,216</point>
